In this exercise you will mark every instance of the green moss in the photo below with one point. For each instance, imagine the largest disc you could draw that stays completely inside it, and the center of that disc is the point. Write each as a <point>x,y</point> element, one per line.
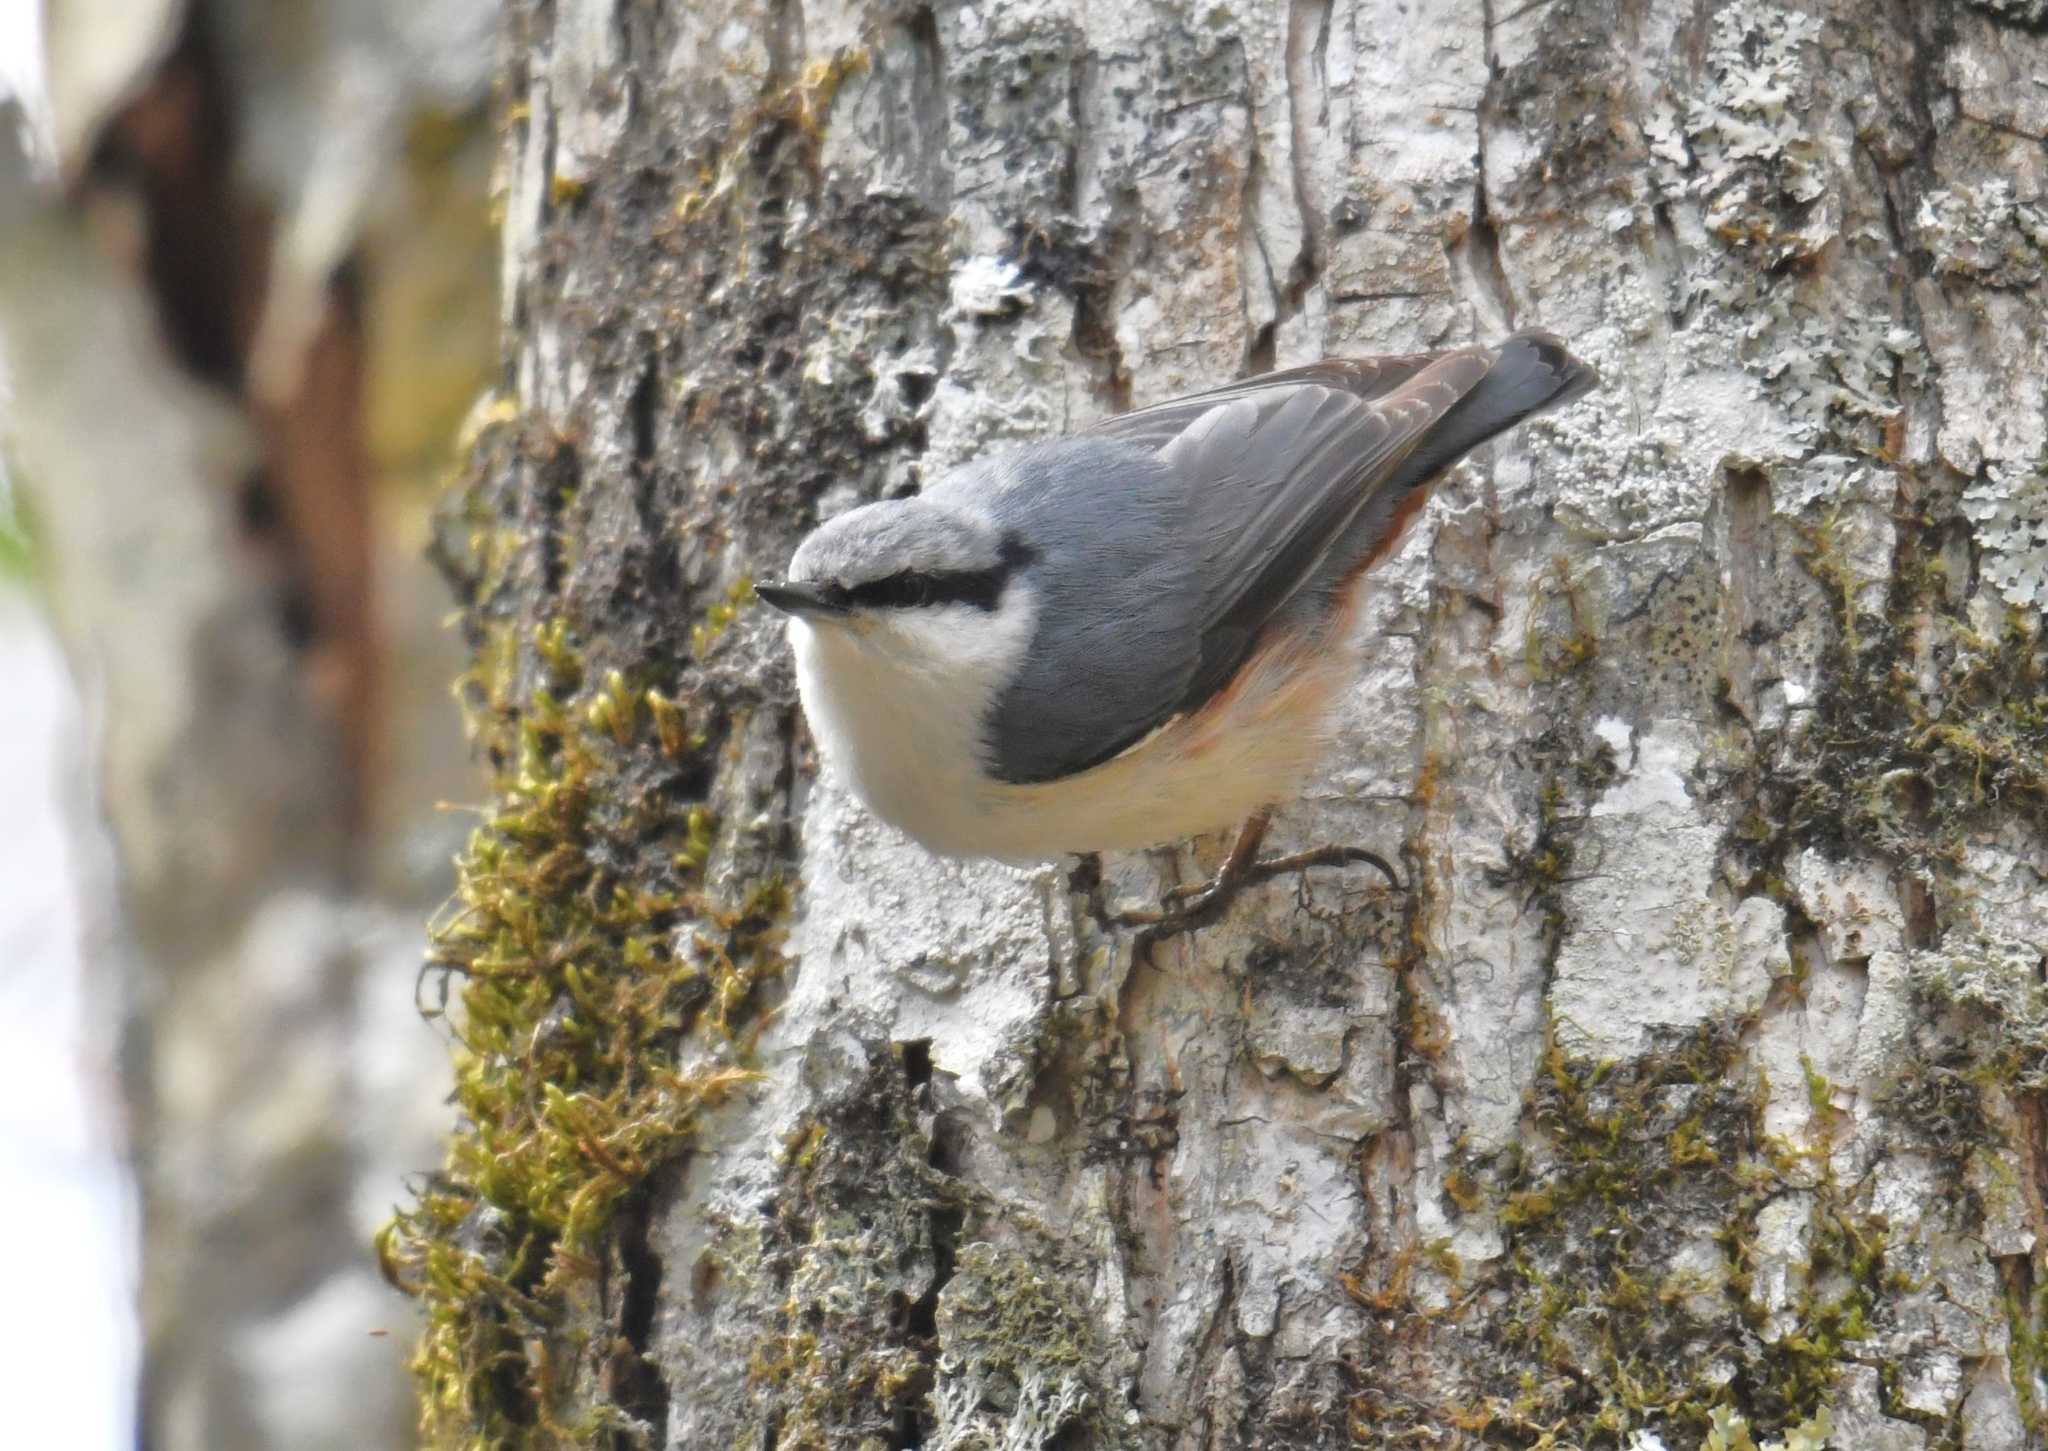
<point>595,1020</point>
<point>1464,1190</point>
<point>1925,725</point>
<point>605,990</point>
<point>720,616</point>
<point>1628,1168</point>
<point>2026,1305</point>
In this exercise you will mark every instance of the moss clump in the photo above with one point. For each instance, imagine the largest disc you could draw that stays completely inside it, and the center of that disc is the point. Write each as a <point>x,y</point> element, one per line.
<point>718,619</point>
<point>1574,769</point>
<point>839,1281</point>
<point>607,989</point>
<point>2026,1307</point>
<point>1927,723</point>
<point>1627,1293</point>
<point>596,1019</point>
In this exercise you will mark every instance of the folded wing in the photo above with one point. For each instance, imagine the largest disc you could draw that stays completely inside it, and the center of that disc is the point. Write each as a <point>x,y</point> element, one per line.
<point>1278,487</point>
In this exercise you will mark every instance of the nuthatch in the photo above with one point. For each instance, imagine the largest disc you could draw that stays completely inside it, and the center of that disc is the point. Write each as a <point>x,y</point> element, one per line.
<point>1134,634</point>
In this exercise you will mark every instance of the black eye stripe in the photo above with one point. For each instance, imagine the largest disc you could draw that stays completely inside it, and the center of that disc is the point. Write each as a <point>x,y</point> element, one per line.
<point>911,589</point>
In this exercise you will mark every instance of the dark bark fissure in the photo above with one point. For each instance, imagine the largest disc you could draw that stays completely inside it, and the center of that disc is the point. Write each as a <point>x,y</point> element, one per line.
<point>1746,500</point>
<point>932,106</point>
<point>638,1387</point>
<point>643,413</point>
<point>945,1222</point>
<point>1477,255</point>
<point>1308,50</point>
<point>207,248</point>
<point>1260,346</point>
<point>1095,329</point>
<point>920,1325</point>
<point>1216,1342</point>
<point>1087,266</point>
<point>784,35</point>
<point>1307,43</point>
<point>558,477</point>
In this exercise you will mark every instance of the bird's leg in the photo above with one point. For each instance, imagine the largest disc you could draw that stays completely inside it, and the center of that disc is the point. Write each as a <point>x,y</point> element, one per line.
<point>1191,906</point>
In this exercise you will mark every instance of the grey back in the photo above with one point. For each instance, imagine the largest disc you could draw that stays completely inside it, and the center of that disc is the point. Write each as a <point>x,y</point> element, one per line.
<point>1115,645</point>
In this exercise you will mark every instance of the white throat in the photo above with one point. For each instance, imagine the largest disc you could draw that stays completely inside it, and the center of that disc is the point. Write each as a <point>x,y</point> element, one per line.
<point>900,706</point>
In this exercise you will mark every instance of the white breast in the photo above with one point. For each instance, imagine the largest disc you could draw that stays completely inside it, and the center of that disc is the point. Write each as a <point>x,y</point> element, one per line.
<point>903,726</point>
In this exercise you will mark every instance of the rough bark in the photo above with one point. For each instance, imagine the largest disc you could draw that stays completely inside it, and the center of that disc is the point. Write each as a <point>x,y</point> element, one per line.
<point>1699,1076</point>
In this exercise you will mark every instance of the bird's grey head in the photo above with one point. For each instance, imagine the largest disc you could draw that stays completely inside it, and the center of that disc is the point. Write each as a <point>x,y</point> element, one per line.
<point>901,555</point>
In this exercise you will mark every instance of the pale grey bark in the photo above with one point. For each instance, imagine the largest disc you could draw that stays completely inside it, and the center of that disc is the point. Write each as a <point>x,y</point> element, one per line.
<point>1702,1067</point>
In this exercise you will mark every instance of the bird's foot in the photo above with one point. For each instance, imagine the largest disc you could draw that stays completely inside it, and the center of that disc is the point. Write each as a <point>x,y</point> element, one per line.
<point>1192,906</point>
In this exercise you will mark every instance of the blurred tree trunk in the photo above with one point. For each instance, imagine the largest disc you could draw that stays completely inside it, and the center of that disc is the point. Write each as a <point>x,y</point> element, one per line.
<point>243,275</point>
<point>1701,1074</point>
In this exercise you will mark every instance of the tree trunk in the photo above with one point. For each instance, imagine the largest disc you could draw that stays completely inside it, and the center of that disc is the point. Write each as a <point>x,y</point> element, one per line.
<point>1697,1080</point>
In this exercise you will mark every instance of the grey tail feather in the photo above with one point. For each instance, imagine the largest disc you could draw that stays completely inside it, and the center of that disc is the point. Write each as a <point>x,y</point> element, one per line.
<point>1532,371</point>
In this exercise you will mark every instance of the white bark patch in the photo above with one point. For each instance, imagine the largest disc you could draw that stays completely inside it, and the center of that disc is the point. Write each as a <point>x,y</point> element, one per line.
<point>1655,939</point>
<point>964,959</point>
<point>1858,1419</point>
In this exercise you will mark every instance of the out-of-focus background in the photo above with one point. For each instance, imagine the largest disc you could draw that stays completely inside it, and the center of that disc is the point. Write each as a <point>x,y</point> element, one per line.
<point>247,296</point>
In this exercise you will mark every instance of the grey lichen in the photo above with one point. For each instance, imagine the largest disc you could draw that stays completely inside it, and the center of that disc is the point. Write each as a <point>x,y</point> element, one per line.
<point>1746,150</point>
<point>1984,233</point>
<point>1742,146</point>
<point>1997,982</point>
<point>2008,511</point>
<point>1023,1361</point>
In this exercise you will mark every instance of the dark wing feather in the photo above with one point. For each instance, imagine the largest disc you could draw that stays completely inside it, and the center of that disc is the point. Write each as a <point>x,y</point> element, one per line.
<point>1273,484</point>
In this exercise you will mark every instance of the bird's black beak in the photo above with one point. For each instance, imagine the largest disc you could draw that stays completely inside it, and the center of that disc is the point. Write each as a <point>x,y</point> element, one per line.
<point>793,598</point>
